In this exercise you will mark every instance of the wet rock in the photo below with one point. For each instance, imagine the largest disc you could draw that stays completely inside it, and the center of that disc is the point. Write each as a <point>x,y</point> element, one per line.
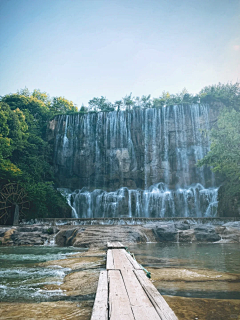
<point>81,283</point>
<point>184,225</point>
<point>2,231</point>
<point>29,229</point>
<point>235,224</point>
<point>195,308</point>
<point>66,237</point>
<point>98,236</point>
<point>47,310</point>
<point>78,262</point>
<point>125,157</point>
<point>230,235</point>
<point>204,228</point>
<point>6,239</point>
<point>181,274</point>
<point>28,238</point>
<point>187,236</point>
<point>166,232</point>
<point>206,233</point>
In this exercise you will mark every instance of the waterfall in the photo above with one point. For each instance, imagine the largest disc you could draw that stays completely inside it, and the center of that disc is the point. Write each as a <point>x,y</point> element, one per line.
<point>138,163</point>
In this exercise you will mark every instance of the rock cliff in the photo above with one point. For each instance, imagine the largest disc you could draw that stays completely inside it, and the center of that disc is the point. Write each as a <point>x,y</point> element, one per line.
<point>136,163</point>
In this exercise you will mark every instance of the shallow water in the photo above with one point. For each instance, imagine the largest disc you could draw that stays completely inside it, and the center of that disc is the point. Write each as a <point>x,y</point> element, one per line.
<point>177,262</point>
<point>220,257</point>
<point>22,280</point>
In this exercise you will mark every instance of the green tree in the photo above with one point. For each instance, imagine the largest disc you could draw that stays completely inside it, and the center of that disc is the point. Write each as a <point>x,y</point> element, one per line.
<point>100,104</point>
<point>224,154</point>
<point>128,101</point>
<point>118,104</point>
<point>83,109</point>
<point>63,106</point>
<point>228,94</point>
<point>25,155</point>
<point>42,96</point>
<point>146,101</point>
<point>12,137</point>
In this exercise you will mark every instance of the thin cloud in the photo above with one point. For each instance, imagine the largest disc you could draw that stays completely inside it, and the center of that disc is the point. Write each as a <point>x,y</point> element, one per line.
<point>236,47</point>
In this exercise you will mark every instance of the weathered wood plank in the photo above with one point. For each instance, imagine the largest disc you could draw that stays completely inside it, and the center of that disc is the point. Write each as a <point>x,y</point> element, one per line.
<point>121,261</point>
<point>110,261</point>
<point>141,305</point>
<point>100,308</point>
<point>135,264</point>
<point>143,313</point>
<point>119,304</point>
<point>115,245</point>
<point>161,306</point>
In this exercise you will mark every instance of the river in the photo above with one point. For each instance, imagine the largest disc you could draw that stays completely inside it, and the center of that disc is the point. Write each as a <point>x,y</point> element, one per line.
<point>199,281</point>
<point>22,280</point>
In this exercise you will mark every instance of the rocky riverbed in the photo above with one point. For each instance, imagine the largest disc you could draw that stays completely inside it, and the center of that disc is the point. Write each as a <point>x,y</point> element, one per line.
<point>80,284</point>
<point>98,235</point>
<point>193,292</point>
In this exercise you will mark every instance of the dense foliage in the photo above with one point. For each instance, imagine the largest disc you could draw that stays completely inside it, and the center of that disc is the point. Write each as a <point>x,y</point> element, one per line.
<point>224,155</point>
<point>25,155</point>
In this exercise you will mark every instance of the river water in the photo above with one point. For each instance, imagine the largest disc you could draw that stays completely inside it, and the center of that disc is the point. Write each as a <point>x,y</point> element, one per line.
<point>199,281</point>
<point>193,270</point>
<point>22,280</point>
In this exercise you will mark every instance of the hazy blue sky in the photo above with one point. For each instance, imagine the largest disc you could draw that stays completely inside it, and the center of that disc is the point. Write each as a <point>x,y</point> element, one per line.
<point>82,49</point>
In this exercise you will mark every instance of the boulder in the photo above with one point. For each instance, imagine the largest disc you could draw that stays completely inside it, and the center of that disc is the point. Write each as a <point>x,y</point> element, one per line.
<point>183,225</point>
<point>2,231</point>
<point>187,236</point>
<point>28,238</point>
<point>166,232</point>
<point>66,237</point>
<point>206,233</point>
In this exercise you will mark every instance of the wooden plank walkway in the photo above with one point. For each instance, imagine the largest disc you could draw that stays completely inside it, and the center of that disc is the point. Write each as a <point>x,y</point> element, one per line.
<point>125,293</point>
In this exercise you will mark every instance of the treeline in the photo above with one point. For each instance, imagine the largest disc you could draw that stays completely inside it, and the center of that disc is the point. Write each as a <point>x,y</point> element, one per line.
<point>227,94</point>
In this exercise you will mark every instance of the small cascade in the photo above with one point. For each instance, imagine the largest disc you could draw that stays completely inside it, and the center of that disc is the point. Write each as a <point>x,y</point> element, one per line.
<point>155,202</point>
<point>138,163</point>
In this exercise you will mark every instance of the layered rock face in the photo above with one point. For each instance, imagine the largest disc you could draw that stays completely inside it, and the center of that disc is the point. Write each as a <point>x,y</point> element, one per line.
<point>136,163</point>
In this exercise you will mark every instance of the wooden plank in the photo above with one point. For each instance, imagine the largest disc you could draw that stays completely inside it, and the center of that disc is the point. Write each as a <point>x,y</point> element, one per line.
<point>161,306</point>
<point>110,261</point>
<point>120,245</point>
<point>141,305</point>
<point>119,305</point>
<point>115,245</point>
<point>135,264</point>
<point>139,301</point>
<point>121,261</point>
<point>100,308</point>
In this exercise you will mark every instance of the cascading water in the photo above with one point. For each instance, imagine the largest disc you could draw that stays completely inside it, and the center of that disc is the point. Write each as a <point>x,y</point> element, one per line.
<point>138,163</point>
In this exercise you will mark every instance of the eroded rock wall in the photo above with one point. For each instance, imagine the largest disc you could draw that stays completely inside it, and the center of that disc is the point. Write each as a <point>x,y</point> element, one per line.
<point>138,163</point>
<point>133,149</point>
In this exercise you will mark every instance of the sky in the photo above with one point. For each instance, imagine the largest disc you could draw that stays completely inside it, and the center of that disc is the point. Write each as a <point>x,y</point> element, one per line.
<point>82,49</point>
